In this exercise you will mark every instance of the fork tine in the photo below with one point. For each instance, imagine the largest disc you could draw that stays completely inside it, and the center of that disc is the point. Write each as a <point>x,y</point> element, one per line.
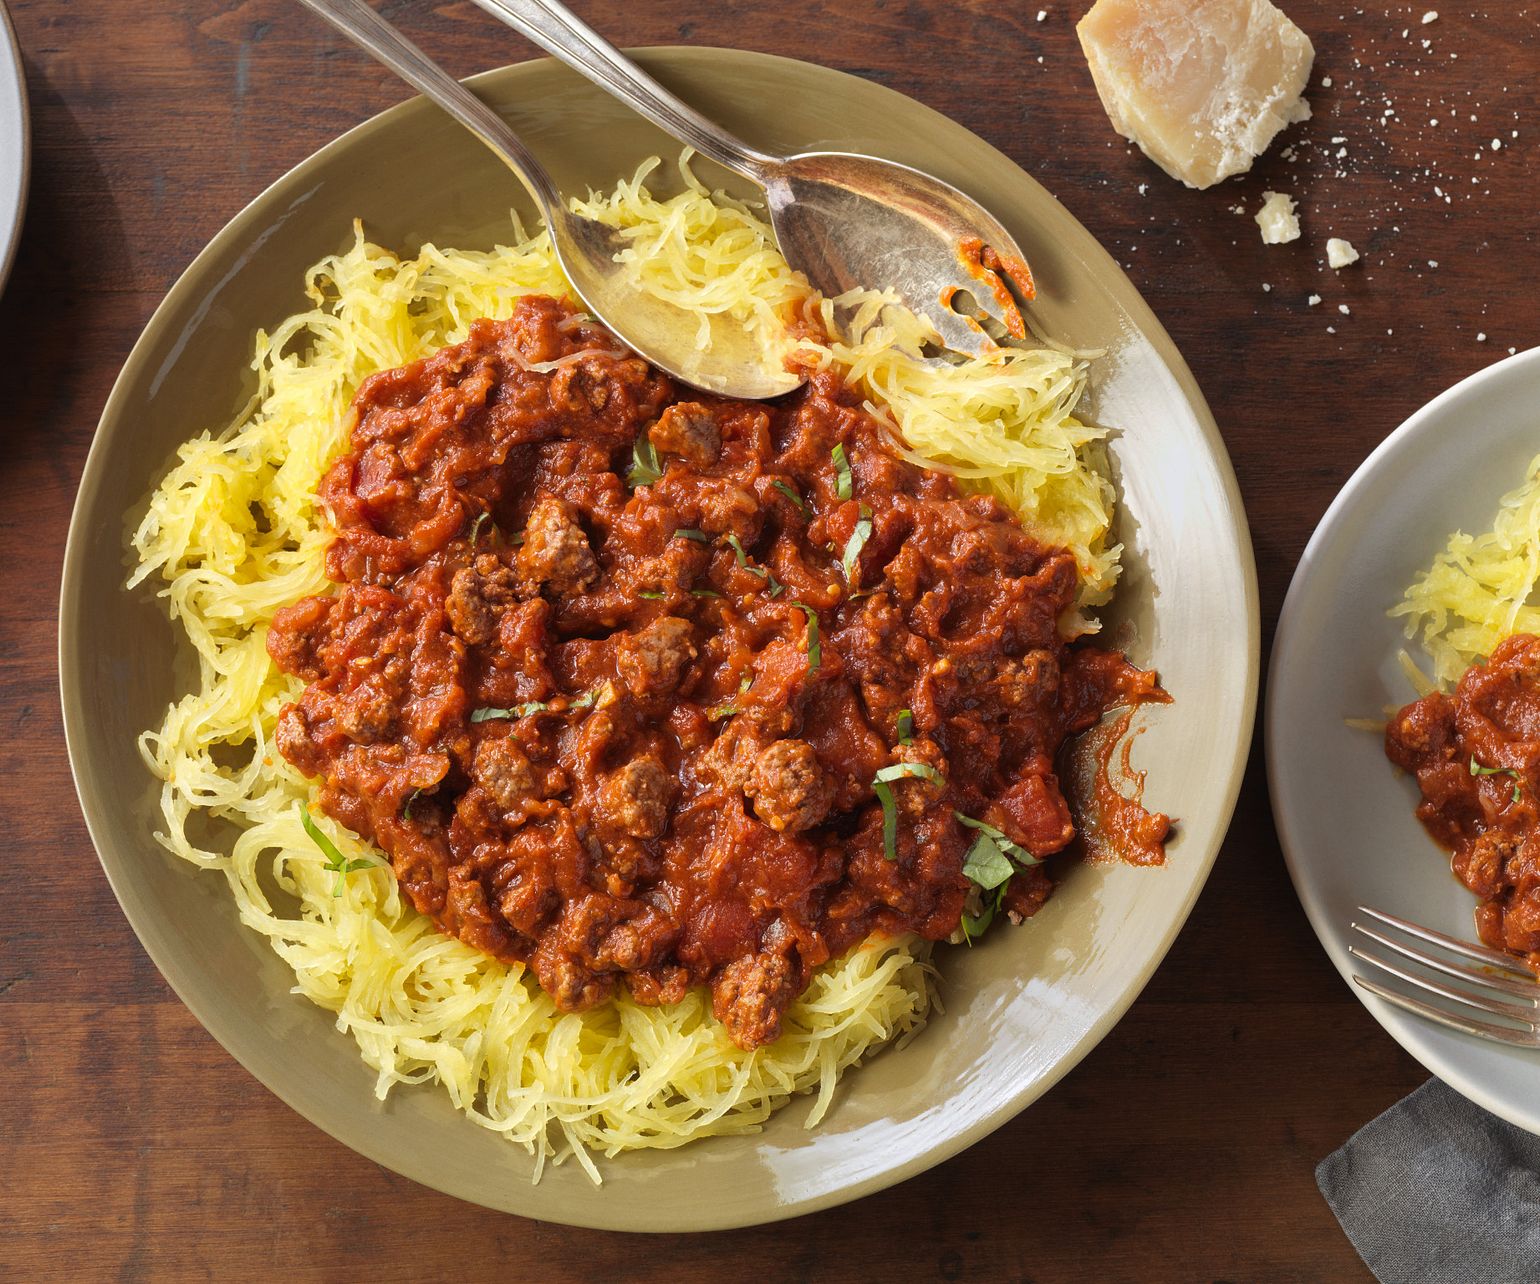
<point>1478,953</point>
<point>1466,1025</point>
<point>1492,1007</point>
<point>1506,982</point>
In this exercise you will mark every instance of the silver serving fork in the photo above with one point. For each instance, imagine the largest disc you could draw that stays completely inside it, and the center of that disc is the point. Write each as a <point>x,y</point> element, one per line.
<point>1498,986</point>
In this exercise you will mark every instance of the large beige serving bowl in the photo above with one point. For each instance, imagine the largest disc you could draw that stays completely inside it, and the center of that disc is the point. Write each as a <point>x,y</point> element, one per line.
<point>1021,1009</point>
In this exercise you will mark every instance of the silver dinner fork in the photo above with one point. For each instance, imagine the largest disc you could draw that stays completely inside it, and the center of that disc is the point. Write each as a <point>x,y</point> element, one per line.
<point>1499,986</point>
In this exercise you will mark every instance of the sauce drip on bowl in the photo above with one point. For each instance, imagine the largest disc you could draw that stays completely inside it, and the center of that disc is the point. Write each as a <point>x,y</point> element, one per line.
<point>643,688</point>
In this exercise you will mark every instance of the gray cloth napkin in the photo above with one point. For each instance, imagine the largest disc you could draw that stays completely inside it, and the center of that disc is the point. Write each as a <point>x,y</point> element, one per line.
<point>1437,1191</point>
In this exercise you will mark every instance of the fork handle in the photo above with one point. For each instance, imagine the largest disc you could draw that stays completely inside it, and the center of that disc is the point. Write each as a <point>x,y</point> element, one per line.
<point>372,33</point>
<point>565,36</point>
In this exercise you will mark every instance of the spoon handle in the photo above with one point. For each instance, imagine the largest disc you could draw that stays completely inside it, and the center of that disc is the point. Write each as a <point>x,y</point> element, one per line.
<point>565,36</point>
<point>370,32</point>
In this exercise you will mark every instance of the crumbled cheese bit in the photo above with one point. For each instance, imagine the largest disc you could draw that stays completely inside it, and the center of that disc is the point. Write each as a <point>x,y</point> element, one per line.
<point>1340,253</point>
<point>1325,82</point>
<point>1041,14</point>
<point>1266,288</point>
<point>1430,16</point>
<point>1277,219</point>
<point>1433,263</point>
<point>1344,309</point>
<point>1481,338</point>
<point>1202,89</point>
<point>1313,300</point>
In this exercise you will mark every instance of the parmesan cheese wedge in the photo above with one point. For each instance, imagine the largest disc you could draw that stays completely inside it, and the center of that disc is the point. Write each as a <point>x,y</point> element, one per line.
<point>1202,86</point>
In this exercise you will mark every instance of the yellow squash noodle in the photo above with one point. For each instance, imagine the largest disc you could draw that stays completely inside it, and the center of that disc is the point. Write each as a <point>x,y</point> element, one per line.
<point>1480,588</point>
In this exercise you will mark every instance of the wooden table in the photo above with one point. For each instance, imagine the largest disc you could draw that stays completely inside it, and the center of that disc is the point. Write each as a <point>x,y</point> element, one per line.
<point>1184,1146</point>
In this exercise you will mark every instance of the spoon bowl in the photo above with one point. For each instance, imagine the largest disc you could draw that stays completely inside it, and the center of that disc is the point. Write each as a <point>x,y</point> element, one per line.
<point>848,221</point>
<point>732,363</point>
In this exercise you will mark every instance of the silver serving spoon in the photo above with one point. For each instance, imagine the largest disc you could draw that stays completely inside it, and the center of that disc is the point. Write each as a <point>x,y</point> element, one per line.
<point>734,364</point>
<point>842,219</point>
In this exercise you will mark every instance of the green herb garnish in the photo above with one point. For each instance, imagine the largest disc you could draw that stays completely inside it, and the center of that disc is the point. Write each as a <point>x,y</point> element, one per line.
<point>905,727</point>
<point>743,558</point>
<point>481,520</point>
<point>793,496</point>
<point>775,586</point>
<point>1015,851</point>
<point>406,811</point>
<point>974,925</point>
<point>689,532</point>
<point>335,861</point>
<point>534,706</point>
<point>645,468</point>
<point>652,594</point>
<point>858,537</point>
<point>844,484</point>
<point>884,793</point>
<point>704,593</point>
<point>814,646</point>
<point>518,711</point>
<point>727,708</point>
<point>1477,770</point>
<point>882,787</point>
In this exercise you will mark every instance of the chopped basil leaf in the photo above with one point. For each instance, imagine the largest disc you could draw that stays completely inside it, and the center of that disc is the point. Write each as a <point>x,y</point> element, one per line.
<point>858,537</point>
<point>406,811</point>
<point>923,770</point>
<point>974,925</point>
<point>689,532</point>
<point>335,861</point>
<point>704,593</point>
<point>743,558</point>
<point>793,496</point>
<point>1477,770</point>
<point>727,708</point>
<point>884,794</point>
<point>1015,851</point>
<point>986,865</point>
<point>482,518</point>
<point>884,791</point>
<point>534,706</point>
<point>905,727</point>
<point>814,646</point>
<point>775,586</point>
<point>844,484</point>
<point>652,594</point>
<point>645,468</point>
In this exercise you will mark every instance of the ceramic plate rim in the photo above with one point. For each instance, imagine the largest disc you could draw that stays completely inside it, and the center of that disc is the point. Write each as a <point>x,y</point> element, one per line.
<point>13,79</point>
<point>933,1151</point>
<point>1407,1030</point>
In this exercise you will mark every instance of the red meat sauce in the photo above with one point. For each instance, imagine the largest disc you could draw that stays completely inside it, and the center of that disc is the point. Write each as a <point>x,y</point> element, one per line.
<point>1476,755</point>
<point>594,727</point>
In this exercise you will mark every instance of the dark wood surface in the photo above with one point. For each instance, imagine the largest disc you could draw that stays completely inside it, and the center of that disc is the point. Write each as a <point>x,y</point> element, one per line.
<point>1184,1146</point>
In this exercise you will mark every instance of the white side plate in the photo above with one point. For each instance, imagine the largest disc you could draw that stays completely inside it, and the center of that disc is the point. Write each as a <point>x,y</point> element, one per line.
<point>1345,816</point>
